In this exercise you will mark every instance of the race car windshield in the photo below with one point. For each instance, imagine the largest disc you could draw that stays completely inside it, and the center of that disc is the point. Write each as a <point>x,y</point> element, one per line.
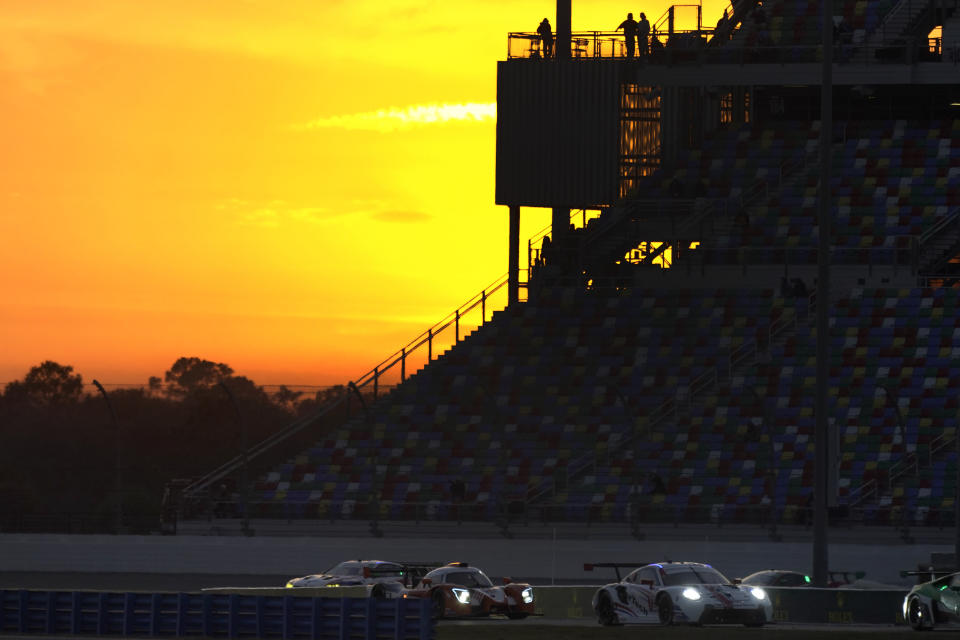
<point>344,569</point>
<point>700,575</point>
<point>469,579</point>
<point>384,570</point>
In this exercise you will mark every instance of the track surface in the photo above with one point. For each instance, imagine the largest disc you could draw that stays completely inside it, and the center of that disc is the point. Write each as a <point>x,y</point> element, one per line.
<point>588,630</point>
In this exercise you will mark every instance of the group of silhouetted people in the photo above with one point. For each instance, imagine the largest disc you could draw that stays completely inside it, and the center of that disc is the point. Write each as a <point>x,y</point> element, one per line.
<point>634,31</point>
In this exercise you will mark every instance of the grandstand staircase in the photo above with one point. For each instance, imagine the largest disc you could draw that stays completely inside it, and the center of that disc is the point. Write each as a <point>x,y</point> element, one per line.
<point>194,499</point>
<point>903,19</point>
<point>907,21</point>
<point>913,462</point>
<point>940,245</point>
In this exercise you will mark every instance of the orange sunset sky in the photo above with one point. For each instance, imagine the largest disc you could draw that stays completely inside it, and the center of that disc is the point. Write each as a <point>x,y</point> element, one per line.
<point>293,187</point>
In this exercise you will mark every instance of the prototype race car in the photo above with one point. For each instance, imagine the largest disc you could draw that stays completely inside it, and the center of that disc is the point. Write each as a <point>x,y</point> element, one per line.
<point>356,573</point>
<point>679,592</point>
<point>934,602</point>
<point>459,590</point>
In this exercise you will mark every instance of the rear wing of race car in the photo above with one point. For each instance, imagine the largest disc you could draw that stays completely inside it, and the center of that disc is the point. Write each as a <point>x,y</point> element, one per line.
<point>616,566</point>
<point>928,573</point>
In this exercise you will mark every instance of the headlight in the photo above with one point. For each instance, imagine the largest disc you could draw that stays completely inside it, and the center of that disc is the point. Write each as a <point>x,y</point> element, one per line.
<point>758,593</point>
<point>462,595</point>
<point>290,585</point>
<point>691,594</point>
<point>333,584</point>
<point>527,595</point>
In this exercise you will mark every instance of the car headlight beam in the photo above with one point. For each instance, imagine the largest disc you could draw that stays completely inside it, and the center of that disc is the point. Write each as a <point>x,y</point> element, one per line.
<point>691,594</point>
<point>462,595</point>
<point>527,595</point>
<point>758,593</point>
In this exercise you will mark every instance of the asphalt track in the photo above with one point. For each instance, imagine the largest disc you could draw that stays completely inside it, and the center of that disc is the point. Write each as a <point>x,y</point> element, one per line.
<point>502,629</point>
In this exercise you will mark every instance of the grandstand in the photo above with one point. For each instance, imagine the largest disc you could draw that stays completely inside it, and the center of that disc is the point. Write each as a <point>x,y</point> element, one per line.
<point>657,362</point>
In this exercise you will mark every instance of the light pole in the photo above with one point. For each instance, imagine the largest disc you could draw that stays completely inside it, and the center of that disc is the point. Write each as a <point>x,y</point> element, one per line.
<point>245,521</point>
<point>822,428</point>
<point>118,469</point>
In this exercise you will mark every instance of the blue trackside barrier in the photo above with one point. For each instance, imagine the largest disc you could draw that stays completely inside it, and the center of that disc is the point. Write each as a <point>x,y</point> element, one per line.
<point>213,615</point>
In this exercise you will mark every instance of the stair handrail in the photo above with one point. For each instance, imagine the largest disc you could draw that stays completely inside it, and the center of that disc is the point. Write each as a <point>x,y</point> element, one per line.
<point>895,11</point>
<point>203,483</point>
<point>198,486</point>
<point>479,299</point>
<point>909,460</point>
<point>940,225</point>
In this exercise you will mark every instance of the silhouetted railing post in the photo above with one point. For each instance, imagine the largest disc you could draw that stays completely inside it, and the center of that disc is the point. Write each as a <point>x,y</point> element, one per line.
<point>118,459</point>
<point>483,305</point>
<point>430,345</point>
<point>376,381</point>
<point>403,364</point>
<point>456,326</point>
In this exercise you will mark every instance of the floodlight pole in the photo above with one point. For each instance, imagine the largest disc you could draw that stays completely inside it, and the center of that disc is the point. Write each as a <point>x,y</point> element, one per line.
<point>822,430</point>
<point>118,469</point>
<point>244,462</point>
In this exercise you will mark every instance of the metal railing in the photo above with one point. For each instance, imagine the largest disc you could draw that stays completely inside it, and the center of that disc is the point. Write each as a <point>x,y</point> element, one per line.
<point>480,301</point>
<point>911,461</point>
<point>483,302</point>
<point>690,48</point>
<point>590,45</point>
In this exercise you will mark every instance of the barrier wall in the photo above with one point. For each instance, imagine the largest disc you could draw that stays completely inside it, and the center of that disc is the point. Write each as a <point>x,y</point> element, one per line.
<point>837,606</point>
<point>822,606</point>
<point>213,615</point>
<point>793,604</point>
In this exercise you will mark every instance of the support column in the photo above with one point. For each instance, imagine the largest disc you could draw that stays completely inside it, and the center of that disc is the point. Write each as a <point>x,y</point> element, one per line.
<point>563,29</point>
<point>822,440</point>
<point>513,262</point>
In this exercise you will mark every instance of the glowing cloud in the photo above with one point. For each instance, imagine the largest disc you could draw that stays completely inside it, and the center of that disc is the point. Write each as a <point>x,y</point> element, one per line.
<point>394,119</point>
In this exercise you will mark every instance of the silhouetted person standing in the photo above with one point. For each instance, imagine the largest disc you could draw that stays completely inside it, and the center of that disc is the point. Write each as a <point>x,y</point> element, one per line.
<point>643,33</point>
<point>546,37</point>
<point>630,28</point>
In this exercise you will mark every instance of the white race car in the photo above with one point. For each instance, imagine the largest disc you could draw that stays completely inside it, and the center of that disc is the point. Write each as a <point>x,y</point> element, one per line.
<point>679,592</point>
<point>355,573</point>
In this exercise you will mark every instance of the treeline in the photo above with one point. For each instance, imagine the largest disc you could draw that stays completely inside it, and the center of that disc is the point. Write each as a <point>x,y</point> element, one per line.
<point>60,445</point>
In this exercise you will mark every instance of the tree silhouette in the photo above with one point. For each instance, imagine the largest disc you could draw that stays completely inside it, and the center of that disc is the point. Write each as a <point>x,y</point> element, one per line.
<point>189,374</point>
<point>286,397</point>
<point>46,384</point>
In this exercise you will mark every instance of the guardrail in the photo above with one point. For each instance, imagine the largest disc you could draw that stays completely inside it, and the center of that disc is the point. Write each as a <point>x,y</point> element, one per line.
<point>213,616</point>
<point>690,47</point>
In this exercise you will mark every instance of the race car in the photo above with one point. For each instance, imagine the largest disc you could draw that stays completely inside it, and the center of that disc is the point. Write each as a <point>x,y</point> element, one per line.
<point>934,602</point>
<point>679,592</point>
<point>459,590</point>
<point>356,573</point>
<point>777,578</point>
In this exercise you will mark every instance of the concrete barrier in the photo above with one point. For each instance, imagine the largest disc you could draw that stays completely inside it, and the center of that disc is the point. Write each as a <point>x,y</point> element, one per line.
<point>805,605</point>
<point>298,592</point>
<point>837,606</point>
<point>564,602</point>
<point>793,604</point>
